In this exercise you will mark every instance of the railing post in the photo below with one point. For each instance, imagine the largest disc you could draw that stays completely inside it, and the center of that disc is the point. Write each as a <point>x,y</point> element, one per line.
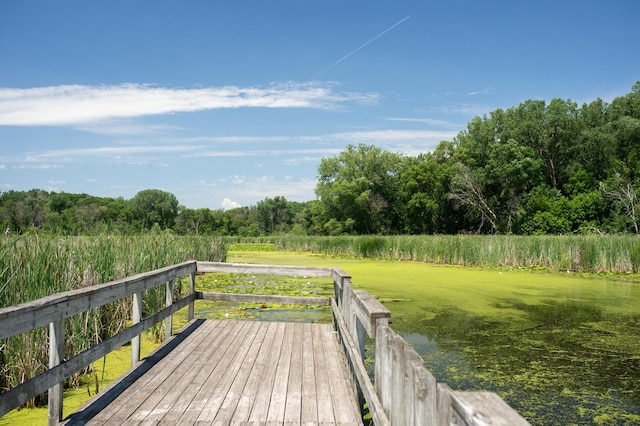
<point>168,301</point>
<point>135,319</point>
<point>192,289</point>
<point>56,353</point>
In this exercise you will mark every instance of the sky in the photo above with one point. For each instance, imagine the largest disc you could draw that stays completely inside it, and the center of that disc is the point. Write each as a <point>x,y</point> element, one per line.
<point>226,103</point>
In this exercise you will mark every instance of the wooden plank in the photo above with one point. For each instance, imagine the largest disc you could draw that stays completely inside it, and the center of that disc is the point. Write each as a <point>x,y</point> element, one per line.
<point>425,396</point>
<point>236,372</point>
<point>245,268</point>
<point>340,390</point>
<point>169,383</point>
<point>101,404</point>
<point>133,398</point>
<point>194,381</point>
<point>309,414</point>
<point>56,354</point>
<point>264,298</point>
<point>212,371</point>
<point>246,400</point>
<point>279,394</point>
<point>397,412</point>
<point>27,316</point>
<point>323,388</point>
<point>484,408</point>
<point>260,409</point>
<point>383,366</point>
<point>354,358</point>
<point>370,311</point>
<point>340,277</point>
<point>293,406</point>
<point>241,381</point>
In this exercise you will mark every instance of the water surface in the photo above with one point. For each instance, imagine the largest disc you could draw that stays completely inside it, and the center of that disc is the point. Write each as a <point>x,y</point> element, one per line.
<point>559,348</point>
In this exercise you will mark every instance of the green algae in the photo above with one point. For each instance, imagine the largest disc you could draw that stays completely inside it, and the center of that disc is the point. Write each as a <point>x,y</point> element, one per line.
<point>561,348</point>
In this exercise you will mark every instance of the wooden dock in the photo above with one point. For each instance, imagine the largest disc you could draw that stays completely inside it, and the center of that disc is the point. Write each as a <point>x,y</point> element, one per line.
<point>234,372</point>
<point>246,372</point>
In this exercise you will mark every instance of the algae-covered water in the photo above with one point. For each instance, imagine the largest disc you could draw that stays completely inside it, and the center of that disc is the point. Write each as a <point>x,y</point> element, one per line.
<point>559,348</point>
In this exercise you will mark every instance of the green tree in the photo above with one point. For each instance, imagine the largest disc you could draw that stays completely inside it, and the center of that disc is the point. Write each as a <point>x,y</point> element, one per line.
<point>153,206</point>
<point>273,214</point>
<point>424,189</point>
<point>360,186</point>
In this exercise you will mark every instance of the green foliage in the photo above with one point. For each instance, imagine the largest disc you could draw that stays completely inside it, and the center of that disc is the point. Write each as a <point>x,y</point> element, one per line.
<point>153,206</point>
<point>588,252</point>
<point>536,168</point>
<point>34,266</point>
<point>359,186</point>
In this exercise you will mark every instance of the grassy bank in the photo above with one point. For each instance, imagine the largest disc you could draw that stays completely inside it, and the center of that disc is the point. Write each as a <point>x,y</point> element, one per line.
<point>580,253</point>
<point>35,266</point>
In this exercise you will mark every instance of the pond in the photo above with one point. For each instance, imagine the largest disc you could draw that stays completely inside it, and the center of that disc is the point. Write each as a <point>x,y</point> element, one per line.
<point>559,348</point>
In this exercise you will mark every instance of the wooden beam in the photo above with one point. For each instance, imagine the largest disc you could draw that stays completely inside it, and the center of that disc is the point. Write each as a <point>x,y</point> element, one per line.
<point>370,311</point>
<point>56,354</point>
<point>353,354</point>
<point>192,290</point>
<point>264,298</point>
<point>242,268</point>
<point>27,316</point>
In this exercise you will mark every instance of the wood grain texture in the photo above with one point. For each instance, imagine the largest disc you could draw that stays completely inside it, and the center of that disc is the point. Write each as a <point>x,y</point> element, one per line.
<point>243,268</point>
<point>234,372</point>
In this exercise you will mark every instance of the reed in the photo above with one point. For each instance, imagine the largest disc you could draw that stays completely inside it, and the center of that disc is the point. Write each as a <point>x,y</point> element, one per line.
<point>34,266</point>
<point>579,253</point>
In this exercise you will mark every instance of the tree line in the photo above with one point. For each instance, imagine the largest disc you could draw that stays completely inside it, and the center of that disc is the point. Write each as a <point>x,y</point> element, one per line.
<point>536,168</point>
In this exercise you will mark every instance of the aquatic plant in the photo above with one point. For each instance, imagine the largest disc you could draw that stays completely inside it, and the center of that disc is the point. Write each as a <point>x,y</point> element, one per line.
<point>34,266</point>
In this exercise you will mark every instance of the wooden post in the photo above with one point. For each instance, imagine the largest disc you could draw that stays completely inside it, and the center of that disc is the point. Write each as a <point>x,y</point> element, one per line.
<point>192,289</point>
<point>56,353</point>
<point>135,319</point>
<point>168,301</point>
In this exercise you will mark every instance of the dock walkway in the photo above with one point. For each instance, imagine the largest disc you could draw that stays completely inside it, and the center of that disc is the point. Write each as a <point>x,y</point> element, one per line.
<point>233,372</point>
<point>245,372</point>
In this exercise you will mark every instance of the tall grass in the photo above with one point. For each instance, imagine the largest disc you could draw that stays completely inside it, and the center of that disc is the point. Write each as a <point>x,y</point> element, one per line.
<point>581,253</point>
<point>35,266</point>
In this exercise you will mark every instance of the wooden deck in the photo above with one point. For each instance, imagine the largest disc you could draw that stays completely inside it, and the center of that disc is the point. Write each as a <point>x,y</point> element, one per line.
<point>233,372</point>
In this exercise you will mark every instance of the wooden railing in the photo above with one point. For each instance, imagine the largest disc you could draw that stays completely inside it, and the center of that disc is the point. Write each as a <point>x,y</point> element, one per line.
<point>404,392</point>
<point>54,309</point>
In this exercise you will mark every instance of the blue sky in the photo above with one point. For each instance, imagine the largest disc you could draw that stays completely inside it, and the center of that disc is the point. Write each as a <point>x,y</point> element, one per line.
<point>226,103</point>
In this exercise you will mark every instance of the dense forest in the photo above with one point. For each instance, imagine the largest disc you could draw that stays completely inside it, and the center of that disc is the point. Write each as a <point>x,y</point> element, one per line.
<point>537,168</point>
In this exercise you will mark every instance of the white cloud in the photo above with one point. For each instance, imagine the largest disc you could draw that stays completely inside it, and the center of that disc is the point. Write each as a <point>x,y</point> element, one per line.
<point>228,204</point>
<point>77,104</point>
<point>429,121</point>
<point>117,152</point>
<point>403,141</point>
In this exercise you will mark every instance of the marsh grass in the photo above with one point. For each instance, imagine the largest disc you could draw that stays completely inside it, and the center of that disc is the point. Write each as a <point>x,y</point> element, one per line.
<point>34,266</point>
<point>578,253</point>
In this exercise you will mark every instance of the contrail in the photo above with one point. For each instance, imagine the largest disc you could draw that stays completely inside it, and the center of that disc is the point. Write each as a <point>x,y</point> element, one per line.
<point>360,47</point>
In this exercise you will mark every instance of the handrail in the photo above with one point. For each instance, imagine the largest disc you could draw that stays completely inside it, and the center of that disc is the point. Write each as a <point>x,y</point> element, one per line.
<point>54,309</point>
<point>405,391</point>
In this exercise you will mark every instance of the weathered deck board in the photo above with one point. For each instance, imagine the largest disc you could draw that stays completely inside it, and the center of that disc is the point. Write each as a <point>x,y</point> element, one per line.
<point>233,372</point>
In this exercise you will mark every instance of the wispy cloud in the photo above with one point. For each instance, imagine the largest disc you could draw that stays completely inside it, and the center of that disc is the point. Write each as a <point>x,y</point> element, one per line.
<point>113,152</point>
<point>81,105</point>
<point>384,137</point>
<point>429,121</point>
<point>294,150</point>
